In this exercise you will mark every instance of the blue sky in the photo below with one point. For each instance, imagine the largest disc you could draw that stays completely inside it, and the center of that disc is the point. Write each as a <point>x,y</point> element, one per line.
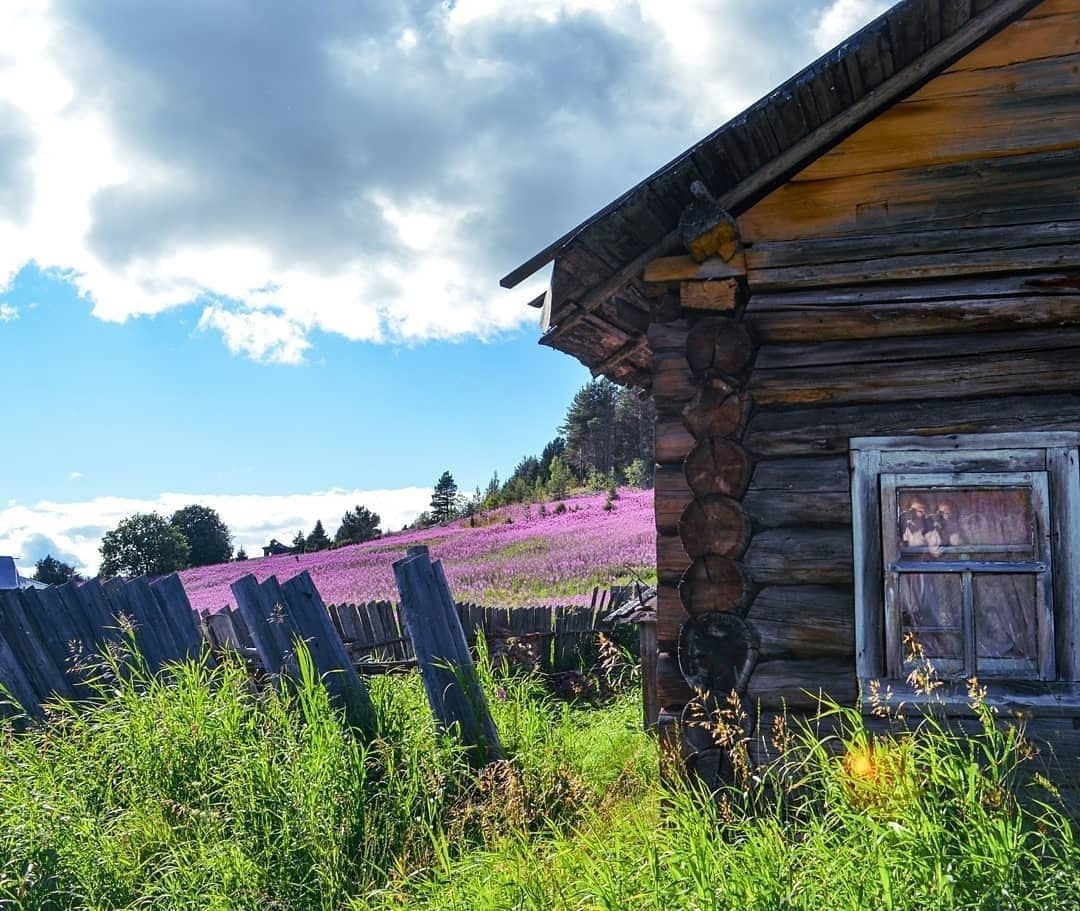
<point>250,250</point>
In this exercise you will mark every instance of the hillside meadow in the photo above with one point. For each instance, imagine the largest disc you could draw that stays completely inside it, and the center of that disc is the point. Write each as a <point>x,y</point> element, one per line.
<point>525,554</point>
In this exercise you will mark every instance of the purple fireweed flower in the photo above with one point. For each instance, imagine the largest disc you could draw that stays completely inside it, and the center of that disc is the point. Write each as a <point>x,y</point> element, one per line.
<point>515,556</point>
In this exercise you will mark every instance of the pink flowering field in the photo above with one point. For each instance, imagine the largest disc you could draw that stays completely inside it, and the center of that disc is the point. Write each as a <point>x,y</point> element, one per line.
<point>533,559</point>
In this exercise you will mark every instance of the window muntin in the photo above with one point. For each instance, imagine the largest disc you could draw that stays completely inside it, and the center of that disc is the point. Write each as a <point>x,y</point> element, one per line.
<point>967,574</point>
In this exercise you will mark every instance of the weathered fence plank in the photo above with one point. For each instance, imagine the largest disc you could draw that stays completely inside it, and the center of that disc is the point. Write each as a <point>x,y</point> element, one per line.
<point>312,623</point>
<point>265,622</point>
<point>174,605</point>
<point>446,665</point>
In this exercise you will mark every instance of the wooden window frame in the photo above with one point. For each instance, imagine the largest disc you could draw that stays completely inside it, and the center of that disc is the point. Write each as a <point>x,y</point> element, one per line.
<point>1049,461</point>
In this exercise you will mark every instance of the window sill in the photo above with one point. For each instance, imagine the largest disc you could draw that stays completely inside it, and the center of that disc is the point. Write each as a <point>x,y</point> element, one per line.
<point>1024,699</point>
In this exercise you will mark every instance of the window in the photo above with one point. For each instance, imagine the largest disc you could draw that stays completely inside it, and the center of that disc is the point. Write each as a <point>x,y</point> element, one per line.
<point>963,555</point>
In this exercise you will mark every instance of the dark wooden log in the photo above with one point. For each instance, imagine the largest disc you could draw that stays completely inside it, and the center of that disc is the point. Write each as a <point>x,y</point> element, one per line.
<point>802,684</point>
<point>791,556</point>
<point>672,441</point>
<point>805,621</point>
<point>672,560</point>
<point>671,497</point>
<point>673,382</point>
<point>668,337</point>
<point>442,653</point>
<point>717,652</point>
<point>327,651</point>
<point>827,429</point>
<point>878,313</point>
<point>672,690</point>
<point>718,466</point>
<point>714,526</point>
<point>711,414</point>
<point>812,473</point>
<point>670,616</point>
<point>780,508</point>
<point>719,344</point>
<point>711,584</point>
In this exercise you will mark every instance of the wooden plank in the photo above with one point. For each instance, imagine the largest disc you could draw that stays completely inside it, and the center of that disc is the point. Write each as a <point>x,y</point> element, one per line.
<point>38,665</point>
<point>312,622</point>
<point>934,378</point>
<point>650,696</point>
<point>791,556</point>
<point>672,441</point>
<point>685,268</point>
<point>148,613</point>
<point>980,192</point>
<point>804,621</point>
<point>99,611</point>
<point>129,610</point>
<point>348,622</point>
<point>786,261</point>
<point>671,497</point>
<point>869,573</point>
<point>17,685</point>
<point>801,684</point>
<point>810,473</point>
<point>1065,526</point>
<point>719,296</point>
<point>827,321</point>
<point>176,609</point>
<point>268,625</point>
<point>56,631</point>
<point>223,634</point>
<point>779,508</point>
<point>443,655</point>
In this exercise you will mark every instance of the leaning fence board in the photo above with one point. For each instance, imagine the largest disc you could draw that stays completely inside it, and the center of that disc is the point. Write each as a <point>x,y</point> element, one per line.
<point>176,609</point>
<point>265,623</point>
<point>442,653</point>
<point>312,623</point>
<point>44,674</point>
<point>16,684</point>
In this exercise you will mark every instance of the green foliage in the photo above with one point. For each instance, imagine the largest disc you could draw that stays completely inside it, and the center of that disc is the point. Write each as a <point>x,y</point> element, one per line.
<point>444,498</point>
<point>208,537</point>
<point>143,544</point>
<point>357,526</point>
<point>54,572</point>
<point>317,540</point>
<point>637,474</point>
<point>299,542</point>
<point>241,554</point>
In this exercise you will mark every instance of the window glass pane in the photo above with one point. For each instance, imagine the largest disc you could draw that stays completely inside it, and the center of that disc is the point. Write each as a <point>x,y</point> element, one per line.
<point>1005,622</point>
<point>931,619</point>
<point>966,523</point>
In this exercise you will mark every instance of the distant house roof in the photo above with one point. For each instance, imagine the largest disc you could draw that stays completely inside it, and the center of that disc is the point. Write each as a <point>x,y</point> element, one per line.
<point>598,307</point>
<point>9,576</point>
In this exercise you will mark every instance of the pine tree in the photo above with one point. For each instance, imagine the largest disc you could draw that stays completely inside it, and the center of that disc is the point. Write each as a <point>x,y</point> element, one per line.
<point>444,498</point>
<point>318,539</point>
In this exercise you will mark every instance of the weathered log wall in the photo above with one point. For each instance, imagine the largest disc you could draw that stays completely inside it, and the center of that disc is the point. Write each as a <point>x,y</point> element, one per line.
<point>922,278</point>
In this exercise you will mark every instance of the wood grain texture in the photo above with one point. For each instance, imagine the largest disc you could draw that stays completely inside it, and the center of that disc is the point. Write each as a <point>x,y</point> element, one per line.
<point>672,440</point>
<point>717,466</point>
<point>714,583</point>
<point>805,621</point>
<point>714,526</point>
<point>719,344</point>
<point>791,556</point>
<point>797,684</point>
<point>672,494</point>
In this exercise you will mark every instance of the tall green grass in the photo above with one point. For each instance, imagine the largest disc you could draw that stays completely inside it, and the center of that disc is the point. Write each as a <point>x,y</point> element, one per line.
<point>200,791</point>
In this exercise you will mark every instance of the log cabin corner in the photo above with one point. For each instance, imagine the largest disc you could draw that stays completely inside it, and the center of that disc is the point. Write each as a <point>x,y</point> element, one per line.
<point>857,308</point>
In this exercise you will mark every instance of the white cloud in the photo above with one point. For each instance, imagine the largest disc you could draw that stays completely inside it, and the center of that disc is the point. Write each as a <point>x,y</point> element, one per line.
<point>844,17</point>
<point>75,475</point>
<point>8,313</point>
<point>75,528</point>
<point>366,170</point>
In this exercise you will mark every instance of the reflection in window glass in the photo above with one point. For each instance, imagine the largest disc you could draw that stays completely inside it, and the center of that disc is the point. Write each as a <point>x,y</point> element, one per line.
<point>956,523</point>
<point>1004,619</point>
<point>931,614</point>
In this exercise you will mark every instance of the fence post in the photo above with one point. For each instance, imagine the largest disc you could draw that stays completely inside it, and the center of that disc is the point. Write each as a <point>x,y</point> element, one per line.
<point>650,698</point>
<point>446,666</point>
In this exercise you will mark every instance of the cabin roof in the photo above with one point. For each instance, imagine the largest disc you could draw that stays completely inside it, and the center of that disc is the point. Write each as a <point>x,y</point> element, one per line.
<point>598,308</point>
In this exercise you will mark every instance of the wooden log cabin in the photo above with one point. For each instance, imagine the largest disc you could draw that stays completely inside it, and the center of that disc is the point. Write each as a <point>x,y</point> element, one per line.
<point>857,308</point>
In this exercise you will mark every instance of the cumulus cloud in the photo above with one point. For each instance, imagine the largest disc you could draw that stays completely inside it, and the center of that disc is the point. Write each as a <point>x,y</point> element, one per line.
<point>842,18</point>
<point>8,313</point>
<point>367,170</point>
<point>72,531</point>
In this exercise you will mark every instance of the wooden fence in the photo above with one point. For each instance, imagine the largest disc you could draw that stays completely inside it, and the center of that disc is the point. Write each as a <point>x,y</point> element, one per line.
<point>375,635</point>
<point>49,637</point>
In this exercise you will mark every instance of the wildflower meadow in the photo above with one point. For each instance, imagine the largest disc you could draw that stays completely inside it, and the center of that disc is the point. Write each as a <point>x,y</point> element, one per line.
<point>525,554</point>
